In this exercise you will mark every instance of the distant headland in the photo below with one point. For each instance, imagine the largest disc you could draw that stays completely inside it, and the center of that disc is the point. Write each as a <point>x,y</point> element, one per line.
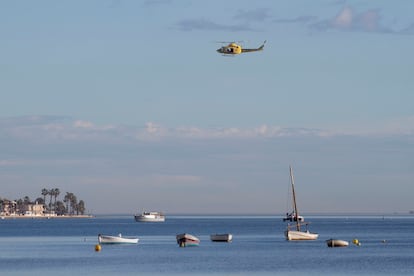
<point>46,206</point>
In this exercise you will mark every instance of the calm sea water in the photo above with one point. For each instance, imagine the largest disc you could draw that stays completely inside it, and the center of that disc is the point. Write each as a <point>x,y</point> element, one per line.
<point>67,247</point>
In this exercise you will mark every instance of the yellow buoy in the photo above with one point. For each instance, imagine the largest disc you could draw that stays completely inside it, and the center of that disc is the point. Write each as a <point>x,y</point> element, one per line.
<point>356,242</point>
<point>98,247</point>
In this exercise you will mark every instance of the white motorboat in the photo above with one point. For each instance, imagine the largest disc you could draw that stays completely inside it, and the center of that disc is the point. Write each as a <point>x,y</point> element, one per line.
<point>185,239</point>
<point>150,217</point>
<point>296,233</point>
<point>105,239</point>
<point>293,217</point>
<point>336,243</point>
<point>221,237</point>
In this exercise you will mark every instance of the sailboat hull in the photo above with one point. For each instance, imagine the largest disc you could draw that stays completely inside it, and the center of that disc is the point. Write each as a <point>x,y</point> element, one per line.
<point>300,236</point>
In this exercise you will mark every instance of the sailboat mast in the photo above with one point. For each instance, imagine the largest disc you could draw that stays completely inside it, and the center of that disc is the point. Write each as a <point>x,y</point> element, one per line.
<point>295,208</point>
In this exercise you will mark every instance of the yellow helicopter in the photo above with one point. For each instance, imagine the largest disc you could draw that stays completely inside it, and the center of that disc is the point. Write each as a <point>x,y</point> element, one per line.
<point>234,49</point>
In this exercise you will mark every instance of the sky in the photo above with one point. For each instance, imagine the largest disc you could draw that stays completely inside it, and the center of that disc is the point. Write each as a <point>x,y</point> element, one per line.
<point>128,105</point>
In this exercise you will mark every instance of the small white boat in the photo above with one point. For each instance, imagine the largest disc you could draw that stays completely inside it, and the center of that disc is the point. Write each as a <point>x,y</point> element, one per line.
<point>185,239</point>
<point>221,237</point>
<point>298,235</point>
<point>150,217</point>
<point>105,239</point>
<point>336,243</point>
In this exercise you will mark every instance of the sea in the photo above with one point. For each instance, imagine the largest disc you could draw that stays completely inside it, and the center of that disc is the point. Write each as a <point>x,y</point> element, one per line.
<point>67,246</point>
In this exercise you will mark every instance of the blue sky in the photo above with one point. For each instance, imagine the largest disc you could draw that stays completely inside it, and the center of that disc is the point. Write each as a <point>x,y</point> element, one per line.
<point>128,102</point>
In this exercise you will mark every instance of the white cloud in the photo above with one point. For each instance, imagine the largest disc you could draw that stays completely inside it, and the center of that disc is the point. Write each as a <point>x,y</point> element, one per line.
<point>344,19</point>
<point>348,19</point>
<point>152,128</point>
<point>82,124</point>
<point>369,20</point>
<point>52,129</point>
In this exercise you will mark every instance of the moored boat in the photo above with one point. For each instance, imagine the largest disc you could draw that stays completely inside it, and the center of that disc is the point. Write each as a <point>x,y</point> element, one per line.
<point>106,239</point>
<point>150,217</point>
<point>293,217</point>
<point>221,237</point>
<point>185,239</point>
<point>296,234</point>
<point>336,243</point>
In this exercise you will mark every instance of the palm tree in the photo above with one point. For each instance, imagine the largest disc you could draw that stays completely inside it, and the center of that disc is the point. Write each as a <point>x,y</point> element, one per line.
<point>51,193</point>
<point>60,208</point>
<point>45,192</point>
<point>74,204</point>
<point>67,200</point>
<point>81,207</point>
<point>55,194</point>
<point>26,200</point>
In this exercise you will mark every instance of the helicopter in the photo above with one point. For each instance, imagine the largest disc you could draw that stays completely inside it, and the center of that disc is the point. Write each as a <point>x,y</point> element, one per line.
<point>234,49</point>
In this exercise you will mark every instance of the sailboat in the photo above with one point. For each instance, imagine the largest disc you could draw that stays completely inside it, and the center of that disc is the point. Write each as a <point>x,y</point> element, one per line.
<point>294,232</point>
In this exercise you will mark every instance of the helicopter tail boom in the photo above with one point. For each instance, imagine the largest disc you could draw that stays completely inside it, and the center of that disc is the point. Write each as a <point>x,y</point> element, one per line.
<point>254,50</point>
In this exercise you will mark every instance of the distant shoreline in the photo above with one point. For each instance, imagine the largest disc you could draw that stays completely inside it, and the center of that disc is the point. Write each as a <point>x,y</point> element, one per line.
<point>47,217</point>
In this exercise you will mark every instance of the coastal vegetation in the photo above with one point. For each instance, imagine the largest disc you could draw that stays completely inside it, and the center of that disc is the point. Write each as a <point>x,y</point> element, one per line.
<point>48,204</point>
